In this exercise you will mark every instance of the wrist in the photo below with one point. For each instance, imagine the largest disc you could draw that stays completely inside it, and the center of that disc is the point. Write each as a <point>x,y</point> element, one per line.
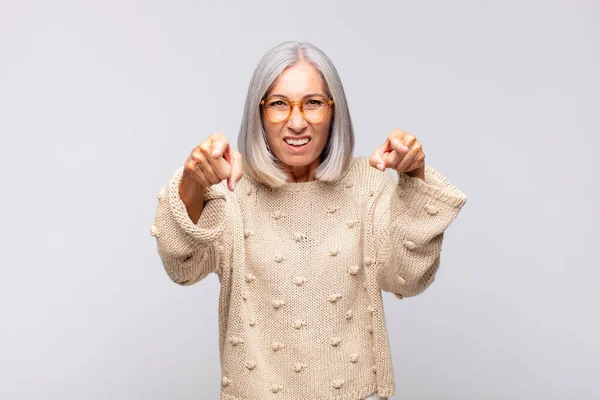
<point>190,190</point>
<point>416,173</point>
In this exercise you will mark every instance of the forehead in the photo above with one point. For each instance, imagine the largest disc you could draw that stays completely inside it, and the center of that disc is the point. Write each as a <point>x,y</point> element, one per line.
<point>298,80</point>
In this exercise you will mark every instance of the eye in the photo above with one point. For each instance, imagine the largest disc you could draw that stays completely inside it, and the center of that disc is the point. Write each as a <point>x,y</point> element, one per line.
<point>314,102</point>
<point>276,103</point>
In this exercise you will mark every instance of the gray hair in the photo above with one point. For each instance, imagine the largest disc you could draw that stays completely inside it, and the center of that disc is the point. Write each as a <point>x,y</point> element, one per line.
<point>258,160</point>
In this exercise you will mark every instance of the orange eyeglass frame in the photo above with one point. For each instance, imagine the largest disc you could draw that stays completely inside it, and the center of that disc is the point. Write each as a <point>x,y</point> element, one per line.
<point>292,104</point>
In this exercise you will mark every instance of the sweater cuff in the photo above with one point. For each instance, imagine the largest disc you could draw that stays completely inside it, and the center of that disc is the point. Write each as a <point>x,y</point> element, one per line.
<point>211,223</point>
<point>435,185</point>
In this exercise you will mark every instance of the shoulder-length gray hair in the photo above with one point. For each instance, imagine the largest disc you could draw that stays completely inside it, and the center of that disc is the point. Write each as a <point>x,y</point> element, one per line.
<point>258,160</point>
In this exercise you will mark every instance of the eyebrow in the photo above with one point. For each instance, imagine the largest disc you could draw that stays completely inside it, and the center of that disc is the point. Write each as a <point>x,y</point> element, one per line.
<point>305,96</point>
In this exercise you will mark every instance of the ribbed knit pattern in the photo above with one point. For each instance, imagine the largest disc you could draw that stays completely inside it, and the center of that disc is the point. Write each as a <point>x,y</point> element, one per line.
<point>302,269</point>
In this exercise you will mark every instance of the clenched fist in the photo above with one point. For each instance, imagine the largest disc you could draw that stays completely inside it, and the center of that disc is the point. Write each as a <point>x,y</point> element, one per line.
<point>209,163</point>
<point>401,152</point>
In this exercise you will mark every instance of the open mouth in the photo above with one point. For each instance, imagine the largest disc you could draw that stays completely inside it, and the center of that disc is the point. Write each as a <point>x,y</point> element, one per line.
<point>297,142</point>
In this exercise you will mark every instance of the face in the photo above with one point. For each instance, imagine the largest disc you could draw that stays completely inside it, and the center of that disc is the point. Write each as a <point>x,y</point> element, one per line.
<point>295,83</point>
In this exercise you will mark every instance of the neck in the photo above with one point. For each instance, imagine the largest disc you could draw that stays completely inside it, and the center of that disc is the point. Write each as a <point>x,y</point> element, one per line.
<point>304,173</point>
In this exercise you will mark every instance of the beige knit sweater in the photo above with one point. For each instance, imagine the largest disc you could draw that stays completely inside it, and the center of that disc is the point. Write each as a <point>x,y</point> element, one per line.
<point>302,269</point>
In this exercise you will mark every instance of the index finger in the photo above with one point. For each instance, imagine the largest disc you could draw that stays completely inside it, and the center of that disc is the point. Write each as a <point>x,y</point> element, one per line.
<point>236,169</point>
<point>376,159</point>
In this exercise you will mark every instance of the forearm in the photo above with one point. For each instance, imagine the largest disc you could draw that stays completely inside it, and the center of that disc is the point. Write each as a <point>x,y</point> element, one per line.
<point>187,238</point>
<point>417,214</point>
<point>192,195</point>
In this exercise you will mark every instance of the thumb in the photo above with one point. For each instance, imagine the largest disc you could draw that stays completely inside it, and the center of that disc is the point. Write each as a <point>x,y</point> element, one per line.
<point>399,146</point>
<point>219,148</point>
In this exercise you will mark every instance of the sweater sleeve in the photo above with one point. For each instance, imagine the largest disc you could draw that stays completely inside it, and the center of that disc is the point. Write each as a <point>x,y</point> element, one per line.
<point>409,223</point>
<point>188,251</point>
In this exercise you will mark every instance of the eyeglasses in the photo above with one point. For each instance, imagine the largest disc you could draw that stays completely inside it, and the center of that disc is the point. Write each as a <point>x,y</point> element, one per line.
<point>313,109</point>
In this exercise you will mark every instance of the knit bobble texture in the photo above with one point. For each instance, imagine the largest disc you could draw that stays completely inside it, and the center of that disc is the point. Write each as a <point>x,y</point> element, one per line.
<point>303,269</point>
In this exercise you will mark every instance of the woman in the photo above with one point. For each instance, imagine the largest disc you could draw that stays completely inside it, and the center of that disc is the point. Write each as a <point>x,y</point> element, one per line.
<point>303,236</point>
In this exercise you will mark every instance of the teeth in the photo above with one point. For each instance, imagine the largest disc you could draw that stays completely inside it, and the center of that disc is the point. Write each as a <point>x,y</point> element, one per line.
<point>297,142</point>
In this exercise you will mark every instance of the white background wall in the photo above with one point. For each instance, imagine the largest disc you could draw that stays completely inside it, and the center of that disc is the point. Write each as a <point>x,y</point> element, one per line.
<point>101,101</point>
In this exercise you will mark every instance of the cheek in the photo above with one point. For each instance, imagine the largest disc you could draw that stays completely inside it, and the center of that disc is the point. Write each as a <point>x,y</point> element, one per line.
<point>272,134</point>
<point>323,132</point>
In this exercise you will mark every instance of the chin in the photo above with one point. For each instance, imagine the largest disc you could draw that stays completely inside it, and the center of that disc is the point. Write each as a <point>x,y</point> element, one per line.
<point>295,161</point>
<point>299,161</point>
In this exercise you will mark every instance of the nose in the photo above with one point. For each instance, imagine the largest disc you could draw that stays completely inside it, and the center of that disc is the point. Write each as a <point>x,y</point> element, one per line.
<point>297,122</point>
